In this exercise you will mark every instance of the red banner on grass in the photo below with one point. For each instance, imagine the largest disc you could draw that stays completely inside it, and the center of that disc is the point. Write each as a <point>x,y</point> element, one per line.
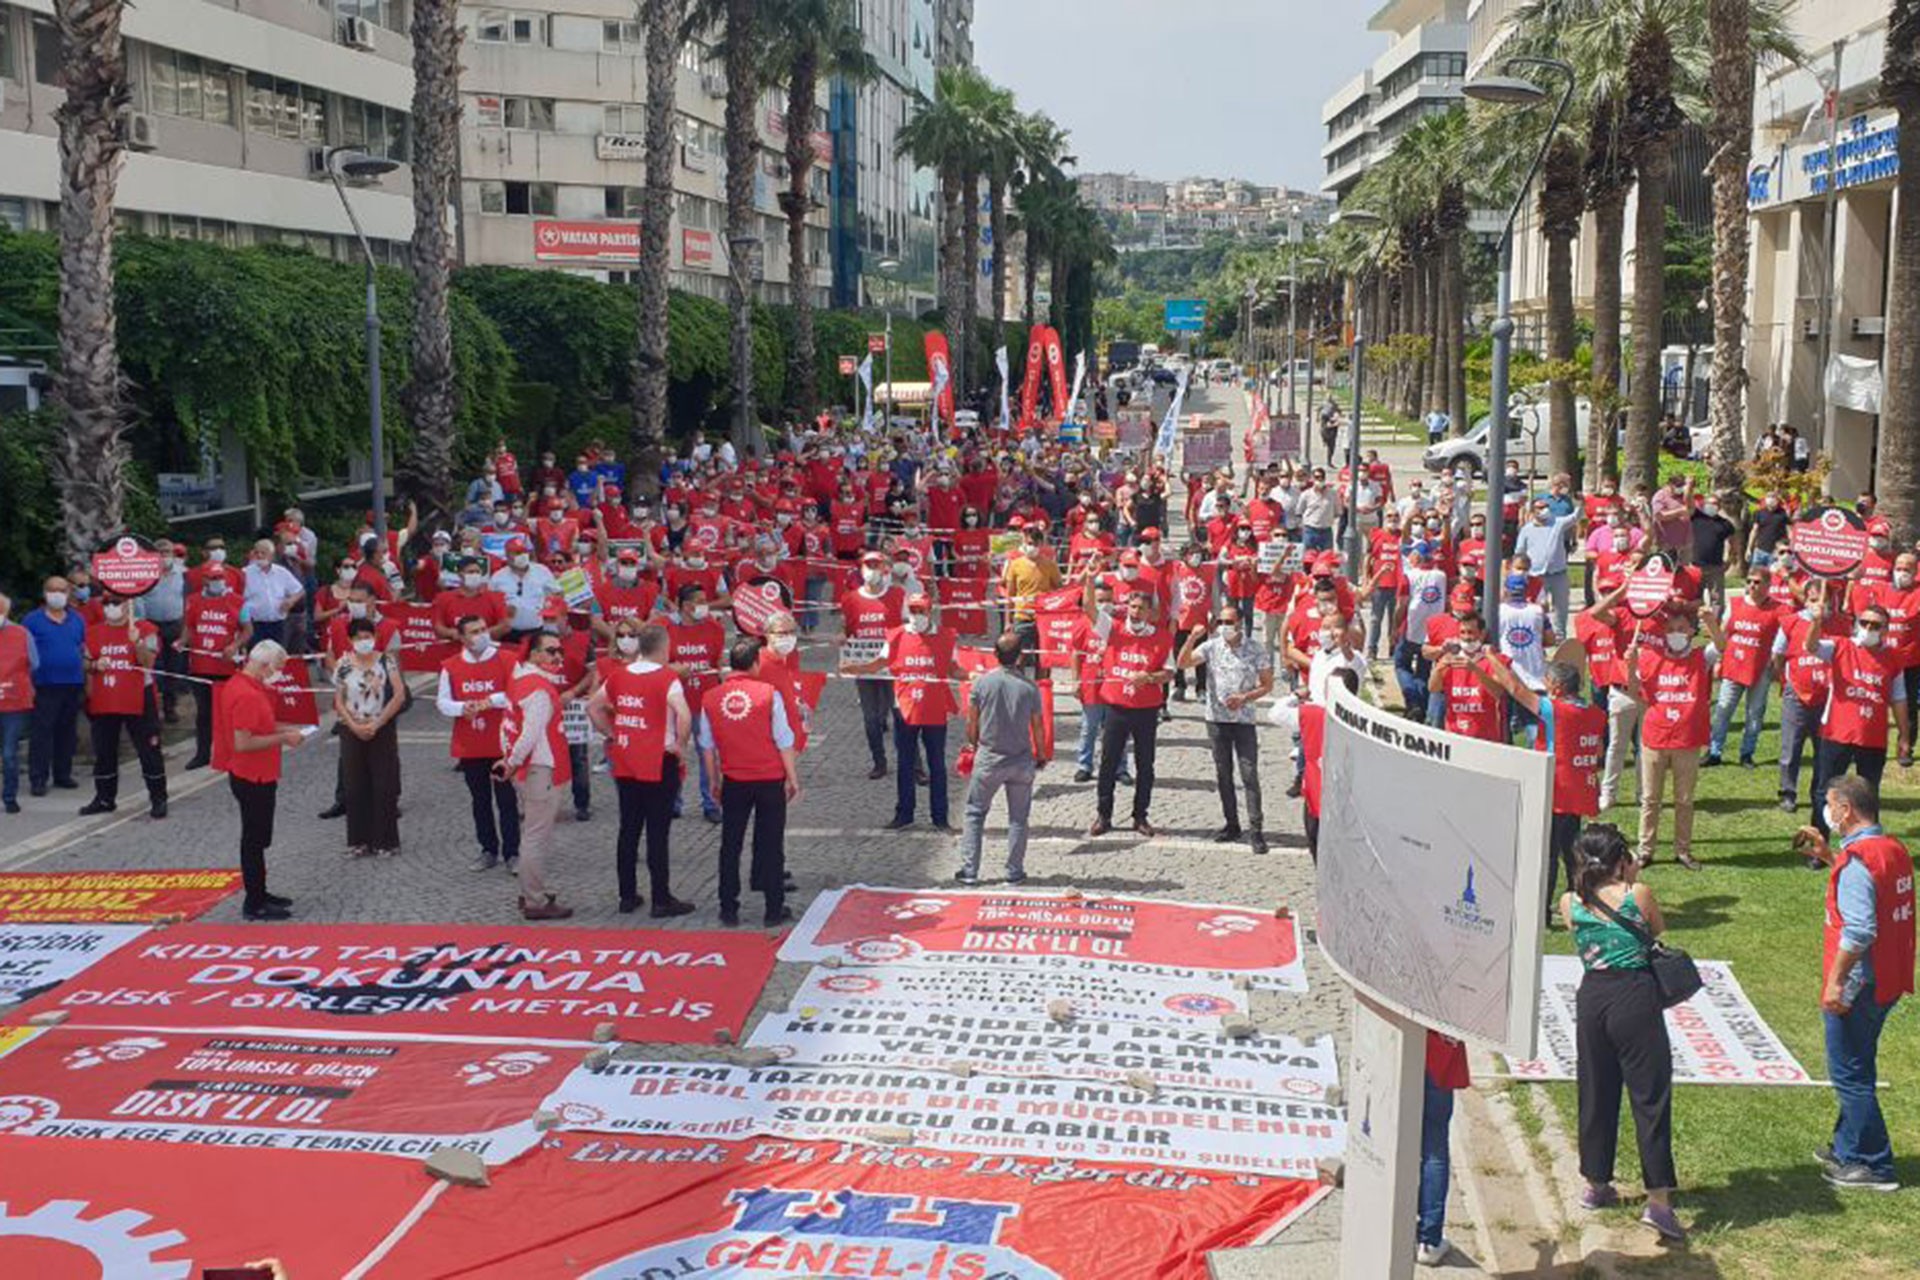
<point>381,1097</point>
<point>110,897</point>
<point>424,981</point>
<point>75,1212</point>
<point>614,1205</point>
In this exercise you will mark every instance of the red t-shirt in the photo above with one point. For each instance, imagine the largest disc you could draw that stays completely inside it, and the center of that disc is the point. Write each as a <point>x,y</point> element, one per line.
<point>245,703</point>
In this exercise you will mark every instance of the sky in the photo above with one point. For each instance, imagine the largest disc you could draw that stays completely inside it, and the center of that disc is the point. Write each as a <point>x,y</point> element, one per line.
<point>1179,88</point>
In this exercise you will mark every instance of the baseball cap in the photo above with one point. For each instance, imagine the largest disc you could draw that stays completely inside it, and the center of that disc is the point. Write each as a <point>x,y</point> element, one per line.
<point>628,555</point>
<point>873,557</point>
<point>1129,557</point>
<point>1149,535</point>
<point>517,545</point>
<point>1463,595</point>
<point>919,601</point>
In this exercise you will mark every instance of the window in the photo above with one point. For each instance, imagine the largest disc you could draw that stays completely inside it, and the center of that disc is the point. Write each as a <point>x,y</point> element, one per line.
<point>624,117</point>
<point>523,198</point>
<point>623,202</point>
<point>13,213</point>
<point>285,109</point>
<point>375,129</point>
<point>528,113</point>
<point>46,52</point>
<point>9,70</point>
<point>497,26</point>
<point>623,37</point>
<point>181,84</point>
<point>493,197</point>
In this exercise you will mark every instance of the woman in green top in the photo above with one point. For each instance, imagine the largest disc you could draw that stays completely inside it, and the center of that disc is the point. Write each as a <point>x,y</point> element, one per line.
<point>1620,1026</point>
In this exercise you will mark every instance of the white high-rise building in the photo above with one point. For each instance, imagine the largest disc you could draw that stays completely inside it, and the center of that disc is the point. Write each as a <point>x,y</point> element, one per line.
<point>1419,75</point>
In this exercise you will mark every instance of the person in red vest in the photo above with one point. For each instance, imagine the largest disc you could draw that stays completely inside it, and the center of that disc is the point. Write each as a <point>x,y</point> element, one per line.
<point>17,660</point>
<point>535,762</point>
<point>748,744</point>
<point>868,615</point>
<point>247,739</point>
<point>215,633</point>
<point>698,646</point>
<point>1446,1074</point>
<point>1135,672</point>
<point>624,593</point>
<point>1899,596</point>
<point>1746,667</point>
<point>474,694</point>
<point>919,660</point>
<point>120,653</point>
<point>1313,746</point>
<point>1866,689</point>
<point>1476,700</point>
<point>1190,589</point>
<point>641,708</point>
<point>1867,965</point>
<point>1674,686</point>
<point>780,667</point>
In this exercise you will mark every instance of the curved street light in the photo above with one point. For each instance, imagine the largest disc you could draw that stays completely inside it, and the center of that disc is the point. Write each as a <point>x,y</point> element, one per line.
<point>1358,218</point>
<point>351,162</point>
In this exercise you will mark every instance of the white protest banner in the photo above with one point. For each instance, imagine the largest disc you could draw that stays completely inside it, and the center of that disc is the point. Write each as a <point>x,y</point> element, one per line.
<point>1047,1118</point>
<point>865,924</point>
<point>1106,1049</point>
<point>38,957</point>
<point>1019,986</point>
<point>1278,552</point>
<point>1718,1036</point>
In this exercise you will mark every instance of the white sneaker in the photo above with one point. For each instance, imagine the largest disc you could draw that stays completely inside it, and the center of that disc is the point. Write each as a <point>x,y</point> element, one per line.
<point>1432,1255</point>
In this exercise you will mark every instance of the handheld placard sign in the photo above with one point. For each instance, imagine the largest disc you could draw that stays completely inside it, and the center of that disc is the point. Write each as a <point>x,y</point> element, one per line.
<point>1829,542</point>
<point>1649,588</point>
<point>128,566</point>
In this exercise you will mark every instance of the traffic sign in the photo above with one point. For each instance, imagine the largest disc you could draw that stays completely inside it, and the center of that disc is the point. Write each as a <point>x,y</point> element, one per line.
<point>1186,315</point>
<point>128,566</point>
<point>847,365</point>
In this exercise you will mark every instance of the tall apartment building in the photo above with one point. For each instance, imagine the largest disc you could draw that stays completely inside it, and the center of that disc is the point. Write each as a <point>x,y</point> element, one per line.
<point>886,210</point>
<point>1822,201</point>
<point>953,43</point>
<point>232,106</point>
<point>1419,75</point>
<point>1109,191</point>
<point>552,152</point>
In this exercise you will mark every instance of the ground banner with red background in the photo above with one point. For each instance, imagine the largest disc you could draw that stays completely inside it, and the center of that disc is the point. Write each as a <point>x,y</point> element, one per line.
<point>619,1206</point>
<point>110,897</point>
<point>36,958</point>
<point>432,981</point>
<point>868,925</point>
<point>940,373</point>
<point>1030,376</point>
<point>383,1097</point>
<point>72,1213</point>
<point>1057,376</point>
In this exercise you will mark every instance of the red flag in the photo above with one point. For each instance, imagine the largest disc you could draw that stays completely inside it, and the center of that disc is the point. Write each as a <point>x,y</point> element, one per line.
<point>1030,377</point>
<point>1057,371</point>
<point>1045,745</point>
<point>963,605</point>
<point>940,371</point>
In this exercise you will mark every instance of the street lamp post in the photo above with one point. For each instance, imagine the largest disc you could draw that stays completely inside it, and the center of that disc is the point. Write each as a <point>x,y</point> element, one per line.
<point>1362,218</point>
<point>1507,90</point>
<point>353,163</point>
<point>887,268</point>
<point>740,251</point>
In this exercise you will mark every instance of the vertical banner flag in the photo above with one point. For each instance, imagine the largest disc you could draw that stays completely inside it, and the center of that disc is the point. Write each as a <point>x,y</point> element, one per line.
<point>940,369</point>
<point>1000,363</point>
<point>1079,381</point>
<point>866,381</point>
<point>1057,375</point>
<point>1030,379</point>
<point>1170,425</point>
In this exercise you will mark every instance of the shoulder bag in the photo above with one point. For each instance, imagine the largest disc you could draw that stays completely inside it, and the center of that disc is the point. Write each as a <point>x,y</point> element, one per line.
<point>1674,971</point>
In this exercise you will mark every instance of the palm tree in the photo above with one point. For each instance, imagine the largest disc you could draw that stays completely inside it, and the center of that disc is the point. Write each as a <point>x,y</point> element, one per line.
<point>1039,150</point>
<point>87,388</point>
<point>941,136</point>
<point>426,471</point>
<point>1043,205</point>
<point>991,117</point>
<point>1562,204</point>
<point>1899,453</point>
<point>1730,133</point>
<point>807,40</point>
<point>665,25</point>
<point>739,21</point>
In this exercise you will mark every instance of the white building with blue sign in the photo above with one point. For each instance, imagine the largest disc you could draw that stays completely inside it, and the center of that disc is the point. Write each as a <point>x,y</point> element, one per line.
<point>1821,193</point>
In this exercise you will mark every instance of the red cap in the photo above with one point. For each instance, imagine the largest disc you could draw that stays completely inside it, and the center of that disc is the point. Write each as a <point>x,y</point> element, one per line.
<point>873,557</point>
<point>628,555</point>
<point>518,544</point>
<point>1463,594</point>
<point>1129,557</point>
<point>1326,561</point>
<point>555,607</point>
<point>611,490</point>
<point>1321,569</point>
<point>1879,527</point>
<point>920,601</point>
<point>787,505</point>
<point>1149,535</point>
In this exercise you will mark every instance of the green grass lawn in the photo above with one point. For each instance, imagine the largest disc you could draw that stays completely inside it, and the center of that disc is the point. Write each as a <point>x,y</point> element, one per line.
<point>1749,1185</point>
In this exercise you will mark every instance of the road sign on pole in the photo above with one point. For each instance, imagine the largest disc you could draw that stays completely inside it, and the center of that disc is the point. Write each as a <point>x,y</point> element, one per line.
<point>847,365</point>
<point>876,343</point>
<point>1186,315</point>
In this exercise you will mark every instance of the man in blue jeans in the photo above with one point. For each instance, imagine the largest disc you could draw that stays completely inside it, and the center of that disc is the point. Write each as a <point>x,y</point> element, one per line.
<point>1869,956</point>
<point>1446,1073</point>
<point>59,686</point>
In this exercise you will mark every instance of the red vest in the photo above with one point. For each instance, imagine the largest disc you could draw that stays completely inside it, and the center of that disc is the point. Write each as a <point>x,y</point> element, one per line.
<point>1127,655</point>
<point>1473,710</point>
<point>739,714</point>
<point>117,686</point>
<point>1192,593</point>
<point>1887,860</point>
<point>867,617</point>
<point>1859,695</point>
<point>920,667</point>
<point>1749,631</point>
<point>699,648</point>
<point>638,747</point>
<point>618,602</point>
<point>211,625</point>
<point>1903,621</point>
<point>522,689</point>
<point>784,674</point>
<point>1679,710</point>
<point>1313,741</point>
<point>478,737</point>
<point>1602,641</point>
<point>1808,675</point>
<point>1579,750</point>
<point>16,671</point>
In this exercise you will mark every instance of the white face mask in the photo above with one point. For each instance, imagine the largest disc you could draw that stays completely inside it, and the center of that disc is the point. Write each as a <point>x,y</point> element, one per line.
<point>346,573</point>
<point>1678,642</point>
<point>626,577</point>
<point>1140,628</point>
<point>700,612</point>
<point>874,578</point>
<point>356,610</point>
<point>56,600</point>
<point>782,645</point>
<point>920,623</point>
<point>1867,637</point>
<point>696,562</point>
<point>1620,541</point>
<point>479,642</point>
<point>363,646</point>
<point>900,568</point>
<point>116,613</point>
<point>216,586</point>
<point>627,644</point>
<point>784,518</point>
<point>474,580</point>
<point>1230,632</point>
<point>1329,639</point>
<point>1902,579</point>
<point>520,561</point>
<point>1129,572</point>
<point>217,556</point>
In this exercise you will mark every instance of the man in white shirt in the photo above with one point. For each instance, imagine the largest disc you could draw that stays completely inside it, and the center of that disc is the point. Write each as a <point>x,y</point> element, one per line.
<point>272,593</point>
<point>1526,633</point>
<point>525,587</point>
<point>529,765</point>
<point>1426,600</point>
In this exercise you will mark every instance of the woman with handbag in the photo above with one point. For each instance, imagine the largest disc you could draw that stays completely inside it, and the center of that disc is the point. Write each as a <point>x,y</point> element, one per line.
<point>1621,1030</point>
<point>368,692</point>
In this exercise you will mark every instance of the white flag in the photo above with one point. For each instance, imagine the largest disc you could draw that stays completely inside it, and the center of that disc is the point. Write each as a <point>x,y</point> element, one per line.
<point>1000,362</point>
<point>1170,425</point>
<point>866,380</point>
<point>1079,379</point>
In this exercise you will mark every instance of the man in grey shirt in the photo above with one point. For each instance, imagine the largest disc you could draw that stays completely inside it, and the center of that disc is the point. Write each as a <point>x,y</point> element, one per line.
<point>1243,675</point>
<point>1003,724</point>
<point>1544,540</point>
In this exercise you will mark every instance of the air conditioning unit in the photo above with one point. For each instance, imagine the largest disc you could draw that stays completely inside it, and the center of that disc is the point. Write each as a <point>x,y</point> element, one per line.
<point>356,33</point>
<point>713,84</point>
<point>140,131</point>
<point>1869,326</point>
<point>316,162</point>
<point>695,159</point>
<point>1810,327</point>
